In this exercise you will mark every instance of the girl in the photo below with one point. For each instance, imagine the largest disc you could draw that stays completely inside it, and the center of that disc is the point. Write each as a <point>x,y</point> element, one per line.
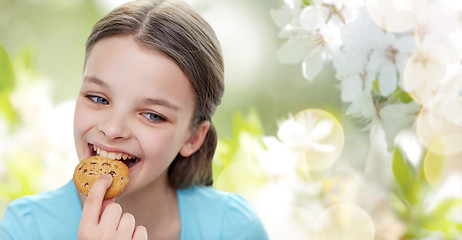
<point>153,76</point>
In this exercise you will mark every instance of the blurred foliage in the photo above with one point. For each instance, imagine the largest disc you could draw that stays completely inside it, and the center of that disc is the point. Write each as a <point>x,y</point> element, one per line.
<point>412,190</point>
<point>57,30</point>
<point>20,177</point>
<point>235,165</point>
<point>6,87</point>
<point>47,38</point>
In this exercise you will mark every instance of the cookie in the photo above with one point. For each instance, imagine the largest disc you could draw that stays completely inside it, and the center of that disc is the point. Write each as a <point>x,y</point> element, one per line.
<point>90,169</point>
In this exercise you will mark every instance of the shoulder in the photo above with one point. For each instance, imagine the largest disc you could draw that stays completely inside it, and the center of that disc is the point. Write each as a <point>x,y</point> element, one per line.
<point>228,214</point>
<point>207,198</point>
<point>46,202</point>
<point>35,214</point>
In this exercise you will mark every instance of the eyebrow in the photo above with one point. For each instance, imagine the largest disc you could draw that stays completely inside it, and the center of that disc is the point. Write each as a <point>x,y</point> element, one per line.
<point>161,102</point>
<point>96,81</point>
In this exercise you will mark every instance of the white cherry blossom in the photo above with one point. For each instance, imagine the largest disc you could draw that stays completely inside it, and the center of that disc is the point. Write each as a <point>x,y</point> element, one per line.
<point>313,32</point>
<point>306,133</point>
<point>277,159</point>
<point>389,59</point>
<point>395,15</point>
<point>314,136</point>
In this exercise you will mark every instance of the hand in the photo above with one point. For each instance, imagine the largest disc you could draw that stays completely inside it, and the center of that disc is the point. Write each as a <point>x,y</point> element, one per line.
<point>103,219</point>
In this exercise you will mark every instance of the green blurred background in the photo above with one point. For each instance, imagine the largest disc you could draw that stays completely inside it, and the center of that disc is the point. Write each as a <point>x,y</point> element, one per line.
<point>57,29</point>
<point>45,39</point>
<point>49,35</point>
<point>41,54</point>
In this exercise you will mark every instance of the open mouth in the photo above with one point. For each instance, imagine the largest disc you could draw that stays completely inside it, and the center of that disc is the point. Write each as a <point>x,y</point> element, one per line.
<point>127,159</point>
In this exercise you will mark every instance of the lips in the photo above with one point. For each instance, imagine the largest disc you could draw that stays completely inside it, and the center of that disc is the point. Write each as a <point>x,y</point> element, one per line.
<point>127,159</point>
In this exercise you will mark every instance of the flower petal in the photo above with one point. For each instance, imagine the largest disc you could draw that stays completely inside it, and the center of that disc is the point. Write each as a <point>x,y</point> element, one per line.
<point>322,129</point>
<point>282,16</point>
<point>388,78</point>
<point>350,87</point>
<point>362,105</point>
<point>311,66</point>
<point>310,18</point>
<point>325,148</point>
<point>288,130</point>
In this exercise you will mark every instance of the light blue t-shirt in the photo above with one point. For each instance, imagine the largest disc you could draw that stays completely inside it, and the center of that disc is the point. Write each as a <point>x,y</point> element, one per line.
<point>205,213</point>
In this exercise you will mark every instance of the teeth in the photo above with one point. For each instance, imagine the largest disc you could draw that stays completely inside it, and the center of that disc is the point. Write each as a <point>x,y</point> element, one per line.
<point>103,153</point>
<point>112,155</point>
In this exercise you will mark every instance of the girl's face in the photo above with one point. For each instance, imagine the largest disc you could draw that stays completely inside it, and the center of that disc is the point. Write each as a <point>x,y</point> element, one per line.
<point>134,104</point>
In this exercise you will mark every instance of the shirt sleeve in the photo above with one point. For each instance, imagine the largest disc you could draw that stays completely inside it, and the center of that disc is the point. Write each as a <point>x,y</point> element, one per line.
<point>17,222</point>
<point>241,222</point>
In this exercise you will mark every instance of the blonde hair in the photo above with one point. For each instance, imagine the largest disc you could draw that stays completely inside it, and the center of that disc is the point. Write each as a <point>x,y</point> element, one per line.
<point>174,28</point>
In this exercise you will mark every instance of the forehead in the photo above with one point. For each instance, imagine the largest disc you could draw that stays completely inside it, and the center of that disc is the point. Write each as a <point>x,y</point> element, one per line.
<point>126,66</point>
<point>130,55</point>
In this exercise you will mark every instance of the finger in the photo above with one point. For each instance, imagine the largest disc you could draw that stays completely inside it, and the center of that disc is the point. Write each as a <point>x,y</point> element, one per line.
<point>126,226</point>
<point>140,233</point>
<point>111,217</point>
<point>93,204</point>
<point>105,204</point>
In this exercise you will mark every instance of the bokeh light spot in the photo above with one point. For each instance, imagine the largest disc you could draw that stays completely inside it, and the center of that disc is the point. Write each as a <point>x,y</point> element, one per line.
<point>241,176</point>
<point>424,73</point>
<point>321,138</point>
<point>438,134</point>
<point>395,16</point>
<point>296,224</point>
<point>437,23</point>
<point>344,222</point>
<point>438,168</point>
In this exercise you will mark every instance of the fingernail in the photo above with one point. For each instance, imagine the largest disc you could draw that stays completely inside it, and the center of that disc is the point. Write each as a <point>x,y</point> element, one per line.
<point>107,176</point>
<point>143,228</point>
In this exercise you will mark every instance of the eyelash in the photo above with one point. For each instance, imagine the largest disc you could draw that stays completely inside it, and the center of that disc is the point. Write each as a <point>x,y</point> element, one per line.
<point>152,117</point>
<point>158,118</point>
<point>96,98</point>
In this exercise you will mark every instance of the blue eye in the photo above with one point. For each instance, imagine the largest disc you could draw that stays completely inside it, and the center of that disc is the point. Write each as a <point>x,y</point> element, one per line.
<point>98,100</point>
<point>153,117</point>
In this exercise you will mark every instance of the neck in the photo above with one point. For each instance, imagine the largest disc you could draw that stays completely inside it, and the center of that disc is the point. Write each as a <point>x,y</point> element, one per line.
<point>157,194</point>
<point>156,207</point>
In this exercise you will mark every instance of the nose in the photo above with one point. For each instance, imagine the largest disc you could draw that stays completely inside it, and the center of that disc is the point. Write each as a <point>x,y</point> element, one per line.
<point>114,126</point>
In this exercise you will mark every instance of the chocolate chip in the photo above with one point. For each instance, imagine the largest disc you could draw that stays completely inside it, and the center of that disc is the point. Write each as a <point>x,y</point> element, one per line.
<point>86,184</point>
<point>85,170</point>
<point>106,164</point>
<point>112,173</point>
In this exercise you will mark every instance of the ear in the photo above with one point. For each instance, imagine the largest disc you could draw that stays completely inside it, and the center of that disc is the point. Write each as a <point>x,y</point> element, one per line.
<point>194,142</point>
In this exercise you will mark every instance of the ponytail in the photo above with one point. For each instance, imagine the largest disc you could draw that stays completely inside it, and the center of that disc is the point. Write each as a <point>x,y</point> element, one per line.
<point>197,168</point>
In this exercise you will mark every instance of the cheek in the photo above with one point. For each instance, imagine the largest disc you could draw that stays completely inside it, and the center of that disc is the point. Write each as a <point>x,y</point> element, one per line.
<point>82,121</point>
<point>162,146</point>
<point>79,120</point>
